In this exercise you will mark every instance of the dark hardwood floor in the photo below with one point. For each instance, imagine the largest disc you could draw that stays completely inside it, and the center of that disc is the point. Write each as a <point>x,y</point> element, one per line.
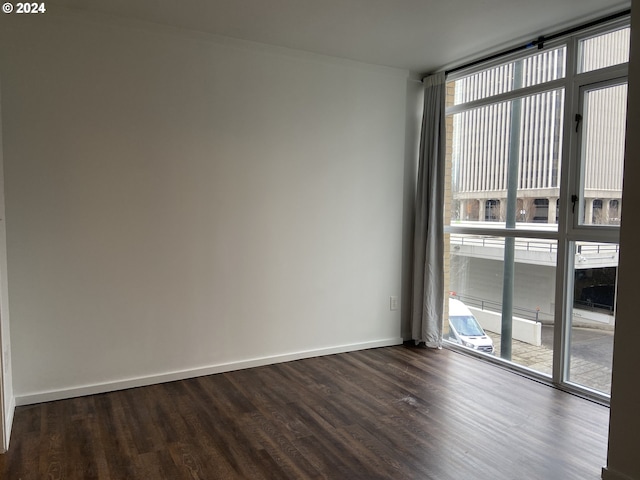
<point>387,413</point>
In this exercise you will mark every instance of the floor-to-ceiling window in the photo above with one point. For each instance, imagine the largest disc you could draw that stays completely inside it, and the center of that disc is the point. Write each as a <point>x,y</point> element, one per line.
<point>534,201</point>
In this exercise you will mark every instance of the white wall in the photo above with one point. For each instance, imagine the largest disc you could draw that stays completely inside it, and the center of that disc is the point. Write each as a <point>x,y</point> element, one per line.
<point>181,204</point>
<point>6,384</point>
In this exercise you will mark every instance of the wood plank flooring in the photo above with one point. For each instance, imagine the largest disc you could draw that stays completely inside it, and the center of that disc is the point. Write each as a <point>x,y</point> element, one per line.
<point>387,413</point>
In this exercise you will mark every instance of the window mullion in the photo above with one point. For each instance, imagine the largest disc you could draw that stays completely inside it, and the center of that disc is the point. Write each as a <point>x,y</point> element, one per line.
<point>508,96</point>
<point>562,307</point>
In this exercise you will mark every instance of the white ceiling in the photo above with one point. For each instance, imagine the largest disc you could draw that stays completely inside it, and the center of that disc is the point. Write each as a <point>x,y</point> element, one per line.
<point>419,35</point>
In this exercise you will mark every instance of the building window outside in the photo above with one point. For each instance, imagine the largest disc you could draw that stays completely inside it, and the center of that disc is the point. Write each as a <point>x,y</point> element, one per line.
<point>596,217</point>
<point>614,212</point>
<point>541,210</point>
<point>492,211</point>
<point>506,138</point>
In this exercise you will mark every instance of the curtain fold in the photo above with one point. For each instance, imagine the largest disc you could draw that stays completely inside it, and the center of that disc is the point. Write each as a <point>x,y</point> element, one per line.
<point>427,307</point>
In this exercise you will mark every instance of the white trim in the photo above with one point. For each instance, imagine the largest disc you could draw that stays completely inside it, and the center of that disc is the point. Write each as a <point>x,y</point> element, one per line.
<point>8,424</point>
<point>523,92</point>
<point>51,395</point>
<point>609,474</point>
<point>499,230</point>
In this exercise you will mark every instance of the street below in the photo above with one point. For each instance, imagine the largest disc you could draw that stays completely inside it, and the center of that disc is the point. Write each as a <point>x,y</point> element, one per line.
<point>590,360</point>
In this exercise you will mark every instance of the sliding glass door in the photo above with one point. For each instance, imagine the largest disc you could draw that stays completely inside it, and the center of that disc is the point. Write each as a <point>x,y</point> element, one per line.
<point>593,260</point>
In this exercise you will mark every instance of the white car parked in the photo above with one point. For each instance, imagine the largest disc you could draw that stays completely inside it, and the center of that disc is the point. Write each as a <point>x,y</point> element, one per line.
<point>465,329</point>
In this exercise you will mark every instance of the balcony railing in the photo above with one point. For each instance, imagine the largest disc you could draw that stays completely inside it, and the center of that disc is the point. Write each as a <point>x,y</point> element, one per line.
<point>496,307</point>
<point>540,245</point>
<point>527,313</point>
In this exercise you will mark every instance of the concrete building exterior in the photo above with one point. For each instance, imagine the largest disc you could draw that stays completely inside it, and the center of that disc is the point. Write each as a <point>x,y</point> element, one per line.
<point>481,139</point>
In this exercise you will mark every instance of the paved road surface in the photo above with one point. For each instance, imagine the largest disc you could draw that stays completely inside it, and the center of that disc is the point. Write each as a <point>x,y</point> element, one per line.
<point>591,355</point>
<point>588,344</point>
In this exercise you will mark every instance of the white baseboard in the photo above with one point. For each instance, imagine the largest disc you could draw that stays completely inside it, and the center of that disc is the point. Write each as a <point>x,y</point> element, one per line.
<point>48,396</point>
<point>9,421</point>
<point>609,474</point>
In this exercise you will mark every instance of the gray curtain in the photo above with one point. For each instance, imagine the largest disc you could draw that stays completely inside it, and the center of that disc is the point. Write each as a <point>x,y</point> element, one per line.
<point>427,307</point>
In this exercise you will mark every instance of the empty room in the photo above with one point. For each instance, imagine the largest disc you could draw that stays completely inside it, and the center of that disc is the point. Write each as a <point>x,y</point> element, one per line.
<point>336,239</point>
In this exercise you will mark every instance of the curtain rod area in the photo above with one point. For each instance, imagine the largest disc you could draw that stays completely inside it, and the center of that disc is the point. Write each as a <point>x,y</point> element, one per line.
<point>539,42</point>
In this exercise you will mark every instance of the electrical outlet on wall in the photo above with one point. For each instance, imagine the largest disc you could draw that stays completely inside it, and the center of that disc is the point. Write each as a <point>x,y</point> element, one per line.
<point>393,302</point>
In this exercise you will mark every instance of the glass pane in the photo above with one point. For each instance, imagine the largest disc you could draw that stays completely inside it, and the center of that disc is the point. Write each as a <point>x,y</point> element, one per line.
<point>594,277</point>
<point>604,50</point>
<point>478,266</point>
<point>602,155</point>
<point>482,142</point>
<point>525,72</point>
